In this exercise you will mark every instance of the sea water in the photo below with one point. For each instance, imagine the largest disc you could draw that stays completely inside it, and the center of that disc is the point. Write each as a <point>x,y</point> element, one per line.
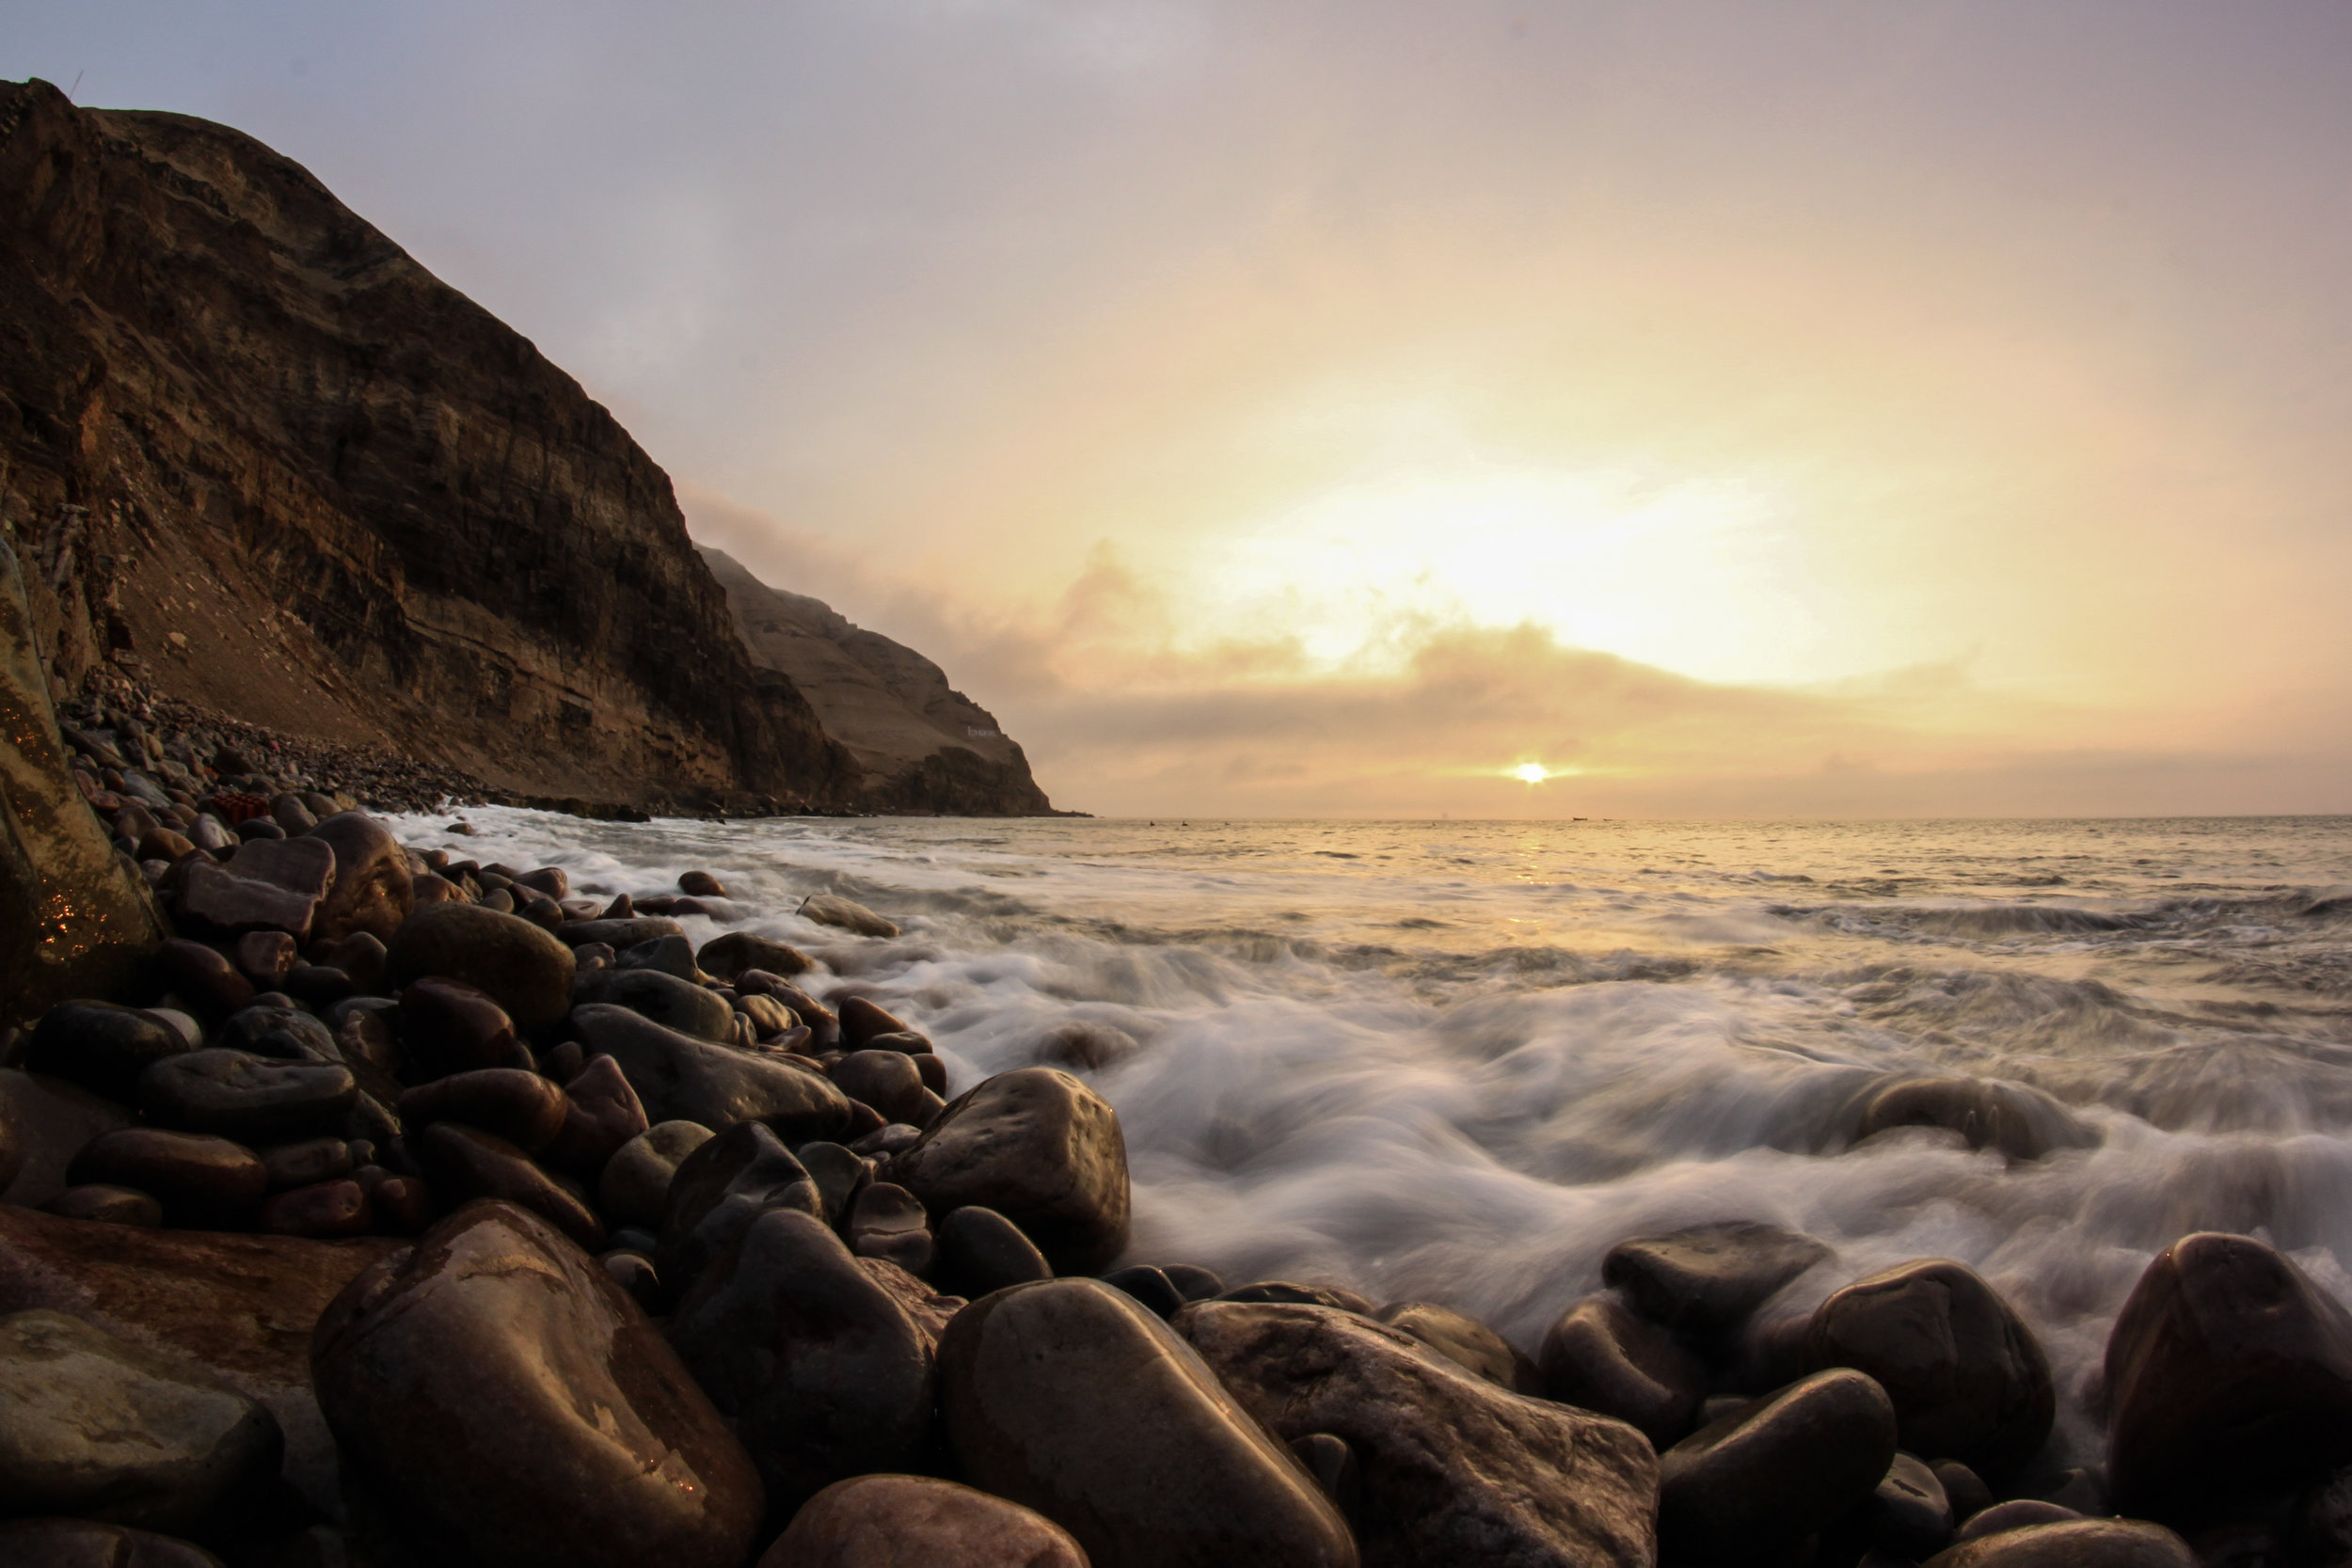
<point>1456,1061</point>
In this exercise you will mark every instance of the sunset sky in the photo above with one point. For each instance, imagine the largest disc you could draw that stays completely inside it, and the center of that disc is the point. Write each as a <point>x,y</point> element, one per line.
<point>1279,407</point>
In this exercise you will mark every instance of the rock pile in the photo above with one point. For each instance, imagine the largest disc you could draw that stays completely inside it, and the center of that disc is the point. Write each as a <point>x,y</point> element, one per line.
<point>428,1212</point>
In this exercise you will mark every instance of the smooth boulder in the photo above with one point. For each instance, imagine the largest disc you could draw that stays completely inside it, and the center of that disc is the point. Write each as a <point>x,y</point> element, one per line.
<point>1759,1482</point>
<point>1038,1146</point>
<point>2074,1544</point>
<point>1452,1469</point>
<point>519,965</point>
<point>2229,1377</point>
<point>93,1425</point>
<point>449,1026</point>
<point>521,1107</point>
<point>721,1188</point>
<point>254,1100</point>
<point>729,956</point>
<point>1968,1378</point>
<point>634,1186</point>
<point>2016,1119</point>
<point>847,914</point>
<point>679,1078</point>
<point>370,891</point>
<point>825,1373</point>
<point>1068,1398</point>
<point>1464,1340</point>
<point>100,1045</point>
<point>516,1409</point>
<point>886,1521</point>
<point>1708,1279</point>
<point>465,1163</point>
<point>1599,1355</point>
<point>978,1250</point>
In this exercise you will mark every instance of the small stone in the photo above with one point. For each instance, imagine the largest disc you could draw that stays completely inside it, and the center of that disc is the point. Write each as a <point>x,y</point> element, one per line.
<point>1462,1340</point>
<point>721,1188</point>
<point>887,1081</point>
<point>211,834</point>
<point>1601,1357</point>
<point>106,1205</point>
<point>769,1017</point>
<point>198,1177</point>
<point>550,880</point>
<point>2020,1121</point>
<point>601,1114</point>
<point>701,884</point>
<point>523,969</point>
<point>861,1020</point>
<point>2078,1544</point>
<point>826,908</point>
<point>619,934</point>
<point>665,999</point>
<point>337,1207</point>
<point>521,1108</point>
<point>289,813</point>
<point>2014,1514</point>
<point>1149,1285</point>
<point>1040,1148</point>
<point>1908,1514</point>
<point>634,1186</point>
<point>1968,1490</point>
<point>1758,1482</point>
<point>978,1250</point>
<point>463,1162</point>
<point>673,955</point>
<point>161,844</point>
<point>93,1425</point>
<point>364,959</point>
<point>887,1222</point>
<point>449,1026</point>
<point>100,1045</point>
<point>299,1165</point>
<point>885,1521</point>
<point>1710,1278</point>
<point>1197,1283</point>
<point>204,976</point>
<point>634,1273</point>
<point>250,1097</point>
<point>274,1029</point>
<point>729,956</point>
<point>839,1176</point>
<point>511,1405</point>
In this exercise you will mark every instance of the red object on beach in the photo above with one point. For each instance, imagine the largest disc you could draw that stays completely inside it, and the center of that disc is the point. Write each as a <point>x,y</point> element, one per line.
<point>237,806</point>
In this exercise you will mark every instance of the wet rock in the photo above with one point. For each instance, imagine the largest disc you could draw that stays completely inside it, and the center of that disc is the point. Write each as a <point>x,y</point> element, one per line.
<point>1332,1463</point>
<point>634,1186</point>
<point>887,1222</point>
<point>769,1017</point>
<point>883,1521</point>
<point>825,1026</point>
<point>701,884</point>
<point>526,971</point>
<point>161,844</point>
<point>100,1046</point>
<point>978,1250</point>
<point>635,1273</point>
<point>514,1408</point>
<point>1040,1148</point>
<point>335,1208</point>
<point>669,955</point>
<point>861,1020</point>
<point>251,1099</point>
<point>1968,1379</point>
<point>721,1188</point>
<point>521,1108</point>
<point>2014,1514</point>
<point>2081,1543</point>
<point>211,835</point>
<point>673,1003</point>
<point>463,1162</point>
<point>601,1114</point>
<point>830,910</point>
<point>318,986</point>
<point>1299,1295</point>
<point>304,867</point>
<point>1453,1469</point>
<point>1084,1047</point>
<point>85,1544</point>
<point>826,1374</point>
<point>1069,1398</point>
<point>1197,1283</point>
<point>200,1179</point>
<point>887,1081</point>
<point>1710,1278</point>
<point>619,934</point>
<point>46,1122</point>
<point>1907,1514</point>
<point>93,1425</point>
<point>371,891</point>
<point>2230,1376</point>
<point>2020,1121</point>
<point>255,828</point>
<point>1462,1340</point>
<point>203,976</point>
<point>1757,1484</point>
<point>550,880</point>
<point>279,1033</point>
<point>448,1026</point>
<point>729,956</point>
<point>364,959</point>
<point>839,1176</point>
<point>1968,1490</point>
<point>679,1078</point>
<point>289,813</point>
<point>1149,1285</point>
<point>299,1165</point>
<point>106,1205</point>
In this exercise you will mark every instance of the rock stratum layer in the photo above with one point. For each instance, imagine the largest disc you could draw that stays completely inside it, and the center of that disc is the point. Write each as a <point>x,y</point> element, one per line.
<point>251,450</point>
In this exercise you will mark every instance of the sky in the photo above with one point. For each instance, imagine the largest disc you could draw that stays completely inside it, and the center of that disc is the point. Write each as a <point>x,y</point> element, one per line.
<point>1282,407</point>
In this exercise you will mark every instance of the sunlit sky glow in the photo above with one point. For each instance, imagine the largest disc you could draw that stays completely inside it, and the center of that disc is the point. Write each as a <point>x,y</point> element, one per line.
<point>1306,407</point>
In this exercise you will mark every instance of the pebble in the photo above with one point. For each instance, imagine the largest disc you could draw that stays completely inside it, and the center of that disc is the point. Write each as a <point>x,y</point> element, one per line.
<point>1149,1285</point>
<point>826,908</point>
<point>523,969</point>
<point>1040,1148</point>
<point>672,955</point>
<point>887,1521</point>
<point>299,1165</point>
<point>861,1020</point>
<point>196,1177</point>
<point>521,1107</point>
<point>335,1208</point>
<point>978,1250</point>
<point>887,1222</point>
<point>839,1175</point>
<point>93,1425</point>
<point>727,956</point>
<point>265,957</point>
<point>463,1162</point>
<point>514,1406</point>
<point>1453,1469</point>
<point>701,884</point>
<point>1069,1398</point>
<point>100,1045</point>
<point>673,1003</point>
<point>107,1205</point>
<point>1758,1482</point>
<point>203,976</point>
<point>250,1097</point>
<point>1708,1280</point>
<point>1462,1340</point>
<point>601,1114</point>
<point>888,1081</point>
<point>633,1189</point>
<point>825,1374</point>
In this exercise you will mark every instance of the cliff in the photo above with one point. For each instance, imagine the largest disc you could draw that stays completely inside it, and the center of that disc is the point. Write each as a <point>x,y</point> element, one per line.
<point>253,450</point>
<point>921,745</point>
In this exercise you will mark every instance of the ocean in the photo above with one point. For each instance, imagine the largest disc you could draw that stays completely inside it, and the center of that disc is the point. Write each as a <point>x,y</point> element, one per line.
<point>1456,1061</point>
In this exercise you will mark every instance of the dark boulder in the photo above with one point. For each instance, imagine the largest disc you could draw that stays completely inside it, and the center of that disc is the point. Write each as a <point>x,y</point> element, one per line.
<point>861,1020</point>
<point>672,956</point>
<point>673,1003</point>
<point>2019,1120</point>
<point>723,1185</point>
<point>514,1408</point>
<point>978,1250</point>
<point>280,1033</point>
<point>1601,1357</point>
<point>633,1188</point>
<point>1710,1278</point>
<point>729,956</point>
<point>2229,1377</point>
<point>253,1099</point>
<point>463,1162</point>
<point>887,1222</point>
<point>1968,1378</point>
<point>1040,1148</point>
<point>521,1108</point>
<point>2079,1544</point>
<point>601,1114</point>
<point>1464,1340</point>
<point>371,890</point>
<point>679,1078</point>
<point>887,1081</point>
<point>203,977</point>
<point>1755,1484</point>
<point>823,1372</point>
<point>100,1045</point>
<point>621,934</point>
<point>1453,1469</point>
<point>1069,1398</point>
<point>200,1179</point>
<point>449,1026</point>
<point>106,1205</point>
<point>519,966</point>
<point>337,1207</point>
<point>918,1522</point>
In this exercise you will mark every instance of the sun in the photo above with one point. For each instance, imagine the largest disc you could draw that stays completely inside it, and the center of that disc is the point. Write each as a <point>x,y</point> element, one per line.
<point>1532,772</point>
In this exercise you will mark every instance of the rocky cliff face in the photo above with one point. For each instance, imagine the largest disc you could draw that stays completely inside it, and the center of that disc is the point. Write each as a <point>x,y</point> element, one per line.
<point>921,745</point>
<point>251,448</point>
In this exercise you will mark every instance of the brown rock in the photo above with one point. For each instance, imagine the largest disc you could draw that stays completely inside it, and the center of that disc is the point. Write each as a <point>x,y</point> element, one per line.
<point>1755,1484</point>
<point>634,1186</point>
<point>601,1114</point>
<point>448,1026</point>
<point>1600,1356</point>
<point>1453,1469</point>
<point>678,1078</point>
<point>203,976</point>
<point>861,1020</point>
<point>877,1521</point>
<point>108,1205</point>
<point>1069,1398</point>
<point>49,1121</point>
<point>2079,1544</point>
<point>100,1045</point>
<point>514,1407</point>
<point>721,1188</point>
<point>521,1108</point>
<point>887,1222</point>
<point>463,1162</point>
<point>199,1178</point>
<point>1710,1278</point>
<point>701,884</point>
<point>526,971</point>
<point>337,1207</point>
<point>729,956</point>
<point>371,891</point>
<point>252,1099</point>
<point>2020,1121</point>
<point>885,1080</point>
<point>1040,1148</point>
<point>1467,1343</point>
<point>265,957</point>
